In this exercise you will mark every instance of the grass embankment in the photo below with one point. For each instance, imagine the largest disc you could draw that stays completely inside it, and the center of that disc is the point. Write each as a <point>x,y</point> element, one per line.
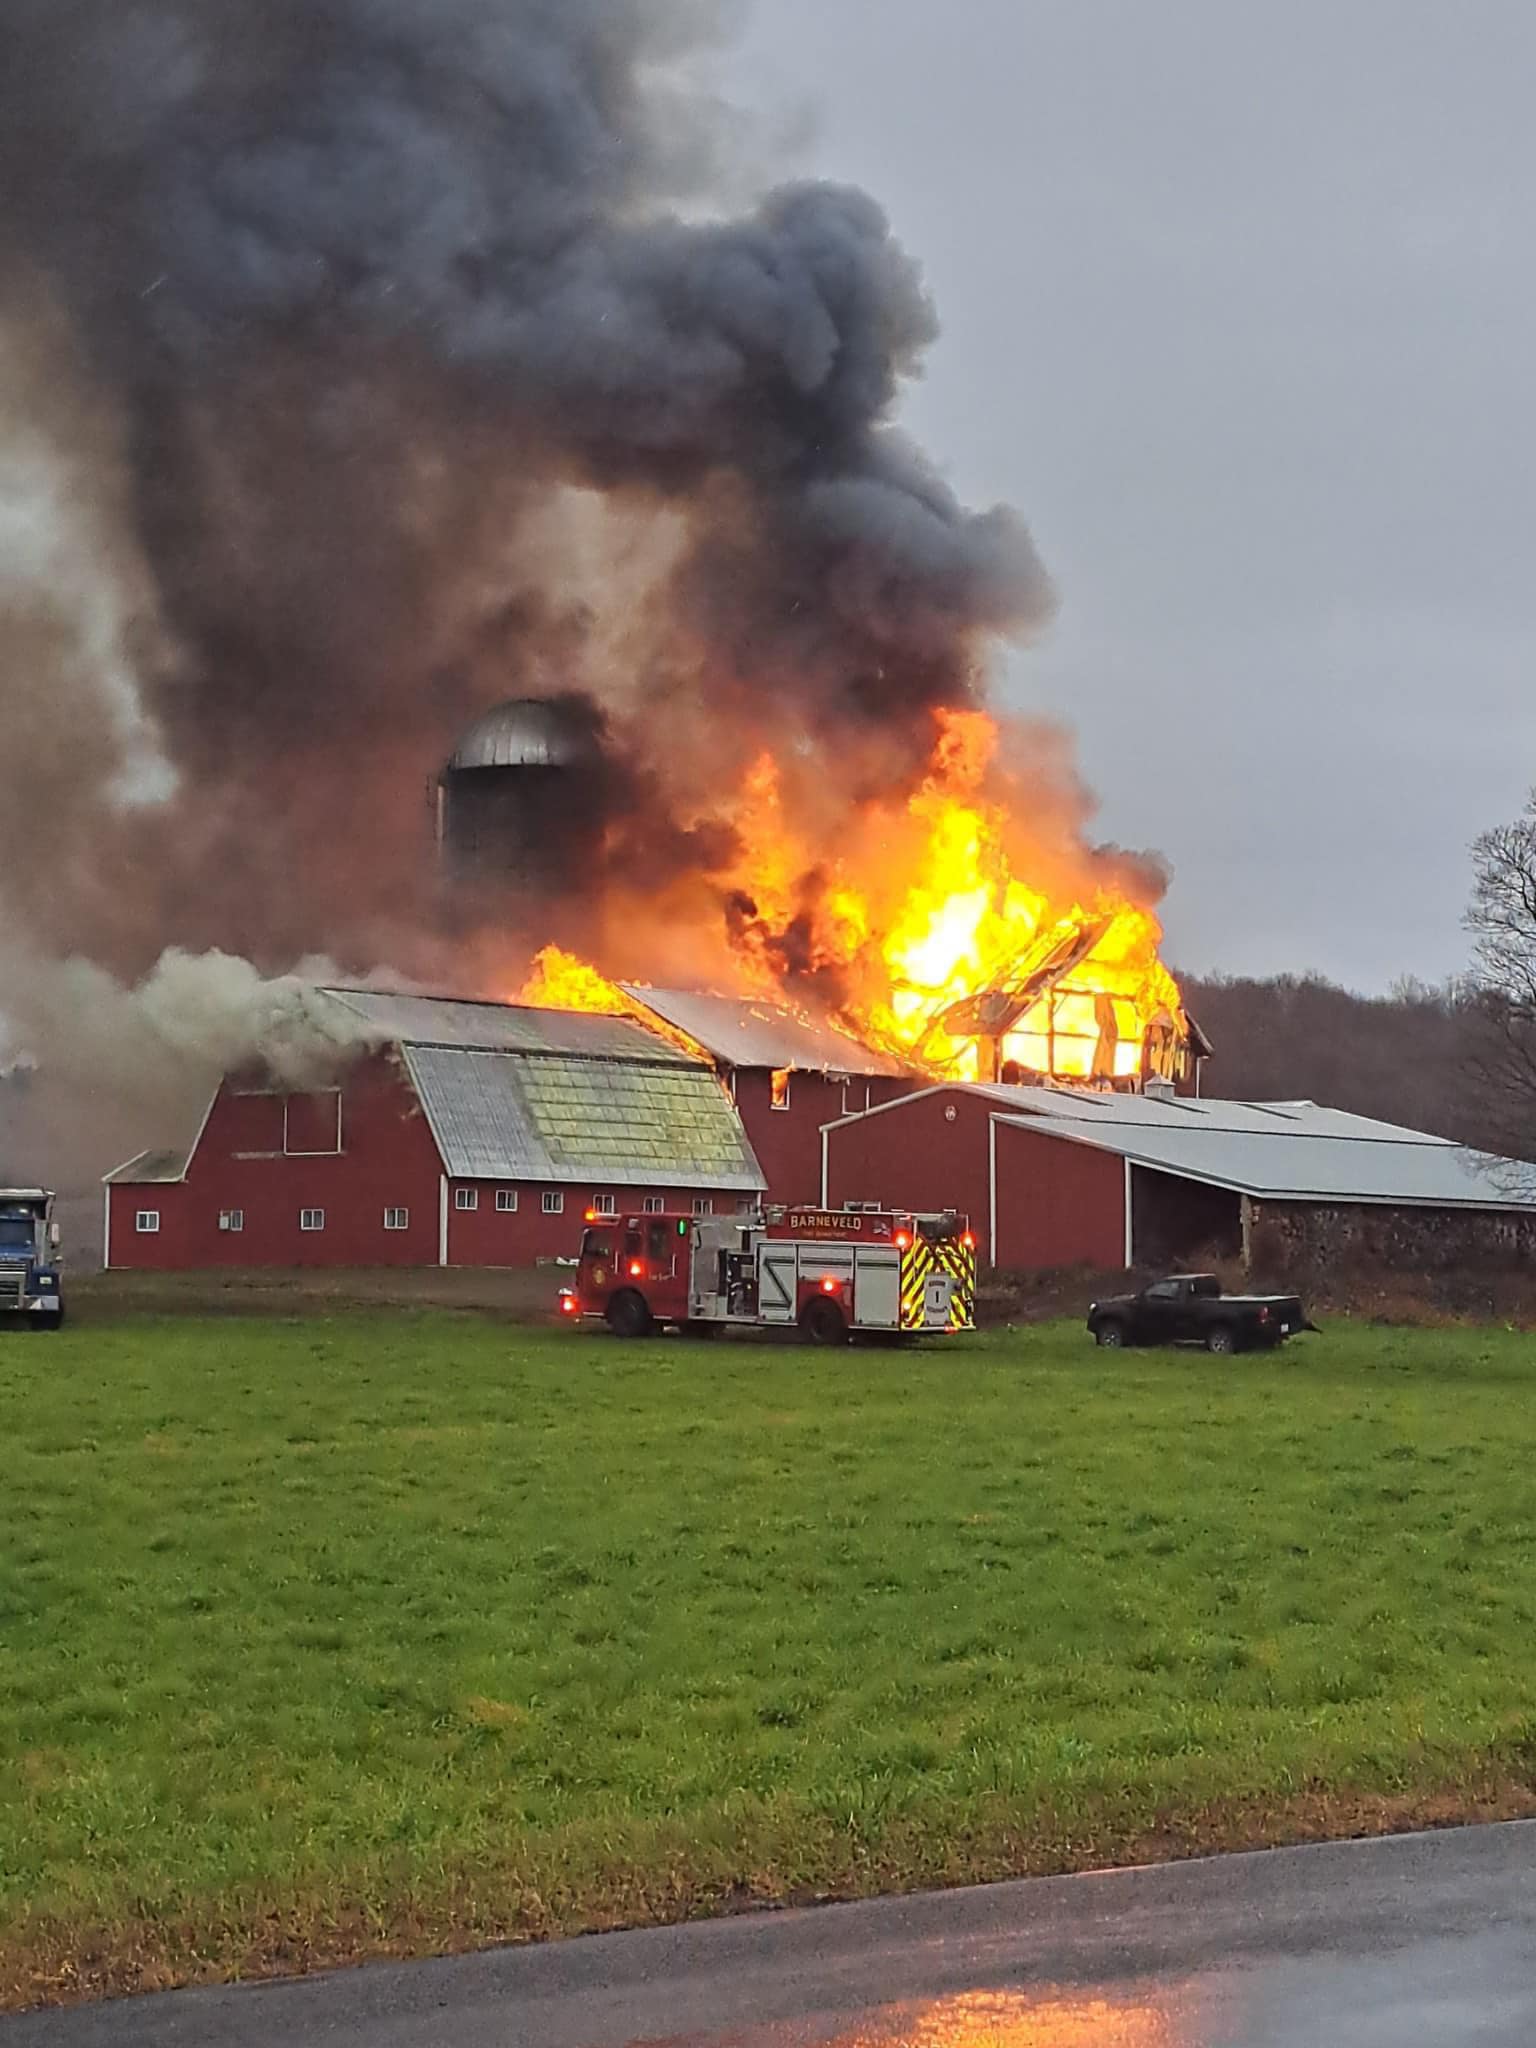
<point>337,1637</point>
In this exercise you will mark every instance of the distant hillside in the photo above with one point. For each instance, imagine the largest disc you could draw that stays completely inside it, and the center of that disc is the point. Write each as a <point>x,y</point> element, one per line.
<point>1398,1057</point>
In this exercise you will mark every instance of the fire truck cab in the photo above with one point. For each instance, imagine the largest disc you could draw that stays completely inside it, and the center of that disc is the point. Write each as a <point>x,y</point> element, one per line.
<point>829,1273</point>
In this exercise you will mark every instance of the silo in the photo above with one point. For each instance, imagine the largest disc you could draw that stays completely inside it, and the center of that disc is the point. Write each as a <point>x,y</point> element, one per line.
<point>514,802</point>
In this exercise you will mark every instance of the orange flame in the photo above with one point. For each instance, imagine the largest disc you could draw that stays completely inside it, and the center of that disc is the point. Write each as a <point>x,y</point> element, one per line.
<point>920,907</point>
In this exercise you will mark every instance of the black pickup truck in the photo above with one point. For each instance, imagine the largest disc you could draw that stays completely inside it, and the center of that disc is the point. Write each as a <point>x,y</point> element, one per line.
<point>1190,1308</point>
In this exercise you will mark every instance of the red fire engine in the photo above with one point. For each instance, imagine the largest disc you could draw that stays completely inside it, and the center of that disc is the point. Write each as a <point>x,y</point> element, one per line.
<point>831,1273</point>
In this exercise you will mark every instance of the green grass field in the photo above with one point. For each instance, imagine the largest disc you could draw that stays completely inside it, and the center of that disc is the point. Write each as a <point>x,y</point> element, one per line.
<point>338,1636</point>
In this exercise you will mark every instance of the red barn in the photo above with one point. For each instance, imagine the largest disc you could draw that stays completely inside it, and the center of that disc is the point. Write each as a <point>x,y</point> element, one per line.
<point>1060,1177</point>
<point>454,1133</point>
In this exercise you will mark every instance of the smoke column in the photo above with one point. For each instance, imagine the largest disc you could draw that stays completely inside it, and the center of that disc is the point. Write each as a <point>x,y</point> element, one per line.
<point>398,359</point>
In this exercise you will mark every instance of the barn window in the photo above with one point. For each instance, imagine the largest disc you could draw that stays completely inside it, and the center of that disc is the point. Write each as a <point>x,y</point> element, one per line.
<point>397,1219</point>
<point>466,1198</point>
<point>554,1205</point>
<point>703,1206</point>
<point>654,1204</point>
<point>506,1201</point>
<point>605,1205</point>
<point>232,1219</point>
<point>147,1222</point>
<point>312,1124</point>
<point>311,1219</point>
<point>779,1087</point>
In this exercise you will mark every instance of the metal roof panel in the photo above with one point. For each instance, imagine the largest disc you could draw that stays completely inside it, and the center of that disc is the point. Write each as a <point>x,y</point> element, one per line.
<point>744,1032</point>
<point>1314,1155</point>
<point>502,1027</point>
<point>498,1116</point>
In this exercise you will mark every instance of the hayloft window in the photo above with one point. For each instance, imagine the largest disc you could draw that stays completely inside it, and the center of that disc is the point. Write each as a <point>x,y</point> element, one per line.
<point>779,1087</point>
<point>397,1219</point>
<point>703,1206</point>
<point>312,1124</point>
<point>554,1205</point>
<point>605,1205</point>
<point>653,1205</point>
<point>311,1219</point>
<point>466,1198</point>
<point>232,1219</point>
<point>147,1222</point>
<point>506,1201</point>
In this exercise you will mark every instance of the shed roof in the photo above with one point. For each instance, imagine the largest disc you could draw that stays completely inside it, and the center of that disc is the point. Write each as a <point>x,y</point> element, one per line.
<point>1280,1151</point>
<point>744,1032</point>
<point>149,1168</point>
<point>659,1121</point>
<point>501,1027</point>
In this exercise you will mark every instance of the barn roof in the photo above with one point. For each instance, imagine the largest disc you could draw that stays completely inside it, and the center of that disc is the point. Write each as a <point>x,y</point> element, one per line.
<point>1279,1151</point>
<point>744,1032</point>
<point>149,1168</point>
<point>501,1027</point>
<point>650,1121</point>
<point>1274,1151</point>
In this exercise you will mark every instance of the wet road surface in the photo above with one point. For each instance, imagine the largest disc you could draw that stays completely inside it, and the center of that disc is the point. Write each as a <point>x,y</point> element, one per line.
<point>1428,1941</point>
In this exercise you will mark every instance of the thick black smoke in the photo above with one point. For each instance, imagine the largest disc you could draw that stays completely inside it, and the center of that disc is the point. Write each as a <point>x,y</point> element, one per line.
<point>368,281</point>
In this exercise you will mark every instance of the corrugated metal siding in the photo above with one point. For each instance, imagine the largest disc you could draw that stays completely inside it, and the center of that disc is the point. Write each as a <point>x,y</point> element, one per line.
<point>500,1117</point>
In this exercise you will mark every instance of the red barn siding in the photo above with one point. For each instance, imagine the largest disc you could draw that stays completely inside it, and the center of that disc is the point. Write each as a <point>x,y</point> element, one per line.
<point>788,1141</point>
<point>1059,1203</point>
<point>486,1236</point>
<point>924,1152</point>
<point>388,1160</point>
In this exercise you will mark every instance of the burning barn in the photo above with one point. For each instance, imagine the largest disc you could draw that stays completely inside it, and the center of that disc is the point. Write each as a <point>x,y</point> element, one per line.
<point>488,398</point>
<point>473,1134</point>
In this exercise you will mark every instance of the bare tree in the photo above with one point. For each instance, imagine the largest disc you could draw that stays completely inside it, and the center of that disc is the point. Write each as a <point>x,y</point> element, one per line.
<point>1501,1048</point>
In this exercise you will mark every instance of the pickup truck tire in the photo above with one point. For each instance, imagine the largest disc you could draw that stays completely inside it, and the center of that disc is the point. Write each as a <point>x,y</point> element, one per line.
<point>627,1314</point>
<point>824,1323</point>
<point>1110,1336</point>
<point>1221,1340</point>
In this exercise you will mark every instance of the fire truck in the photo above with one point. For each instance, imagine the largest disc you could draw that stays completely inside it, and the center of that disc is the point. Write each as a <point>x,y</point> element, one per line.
<point>832,1274</point>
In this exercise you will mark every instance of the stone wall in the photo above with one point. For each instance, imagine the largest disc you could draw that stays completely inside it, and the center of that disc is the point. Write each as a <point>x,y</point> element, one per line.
<point>1294,1238</point>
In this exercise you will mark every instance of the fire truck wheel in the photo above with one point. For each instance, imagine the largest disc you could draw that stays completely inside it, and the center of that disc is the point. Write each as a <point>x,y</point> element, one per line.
<point>628,1316</point>
<point>823,1323</point>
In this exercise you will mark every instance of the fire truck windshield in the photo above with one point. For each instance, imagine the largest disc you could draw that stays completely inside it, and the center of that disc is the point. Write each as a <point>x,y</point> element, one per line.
<point>597,1244</point>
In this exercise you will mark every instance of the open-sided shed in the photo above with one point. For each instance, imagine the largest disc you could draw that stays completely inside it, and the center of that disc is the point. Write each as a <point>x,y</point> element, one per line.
<point>1060,1177</point>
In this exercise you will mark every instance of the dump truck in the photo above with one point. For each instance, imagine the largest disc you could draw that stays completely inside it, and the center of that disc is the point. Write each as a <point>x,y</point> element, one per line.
<point>31,1285</point>
<point>831,1274</point>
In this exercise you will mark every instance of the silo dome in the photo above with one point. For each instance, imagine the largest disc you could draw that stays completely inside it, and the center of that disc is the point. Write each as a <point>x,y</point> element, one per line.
<point>525,732</point>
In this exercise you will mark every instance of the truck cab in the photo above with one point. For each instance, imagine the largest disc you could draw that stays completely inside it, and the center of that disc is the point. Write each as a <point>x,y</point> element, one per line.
<point>31,1284</point>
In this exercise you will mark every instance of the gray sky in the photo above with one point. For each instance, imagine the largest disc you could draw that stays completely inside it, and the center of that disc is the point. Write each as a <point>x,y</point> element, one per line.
<point>1240,311</point>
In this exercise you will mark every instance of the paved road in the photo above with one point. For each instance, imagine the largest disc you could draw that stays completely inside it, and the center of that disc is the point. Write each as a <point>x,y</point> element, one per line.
<point>1424,1942</point>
